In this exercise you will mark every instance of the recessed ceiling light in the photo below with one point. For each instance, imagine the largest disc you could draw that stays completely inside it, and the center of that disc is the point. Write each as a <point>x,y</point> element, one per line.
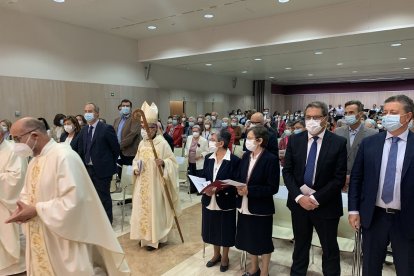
<point>152,27</point>
<point>339,64</point>
<point>396,44</point>
<point>271,77</point>
<point>208,16</point>
<point>310,75</point>
<point>283,1</point>
<point>244,72</point>
<point>407,68</point>
<point>318,53</point>
<point>258,59</point>
<point>354,71</point>
<point>288,68</point>
<point>59,1</point>
<point>209,64</point>
<point>402,58</point>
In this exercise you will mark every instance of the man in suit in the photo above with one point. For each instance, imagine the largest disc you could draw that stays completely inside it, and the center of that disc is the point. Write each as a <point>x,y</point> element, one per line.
<point>128,132</point>
<point>257,119</point>
<point>381,191</point>
<point>314,174</point>
<point>99,149</point>
<point>353,132</point>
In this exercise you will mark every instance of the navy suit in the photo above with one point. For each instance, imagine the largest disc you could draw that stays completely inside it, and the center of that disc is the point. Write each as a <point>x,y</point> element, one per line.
<point>378,227</point>
<point>329,179</point>
<point>104,152</point>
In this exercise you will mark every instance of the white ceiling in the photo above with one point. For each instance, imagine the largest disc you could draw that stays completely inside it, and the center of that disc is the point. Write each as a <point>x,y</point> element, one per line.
<point>364,57</point>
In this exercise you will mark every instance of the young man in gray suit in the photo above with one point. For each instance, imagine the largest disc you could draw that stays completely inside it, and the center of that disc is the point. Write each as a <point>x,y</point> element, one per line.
<point>354,132</point>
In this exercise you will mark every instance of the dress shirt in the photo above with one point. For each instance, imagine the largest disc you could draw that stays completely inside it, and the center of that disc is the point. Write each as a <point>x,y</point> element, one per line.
<point>402,144</point>
<point>121,126</point>
<point>340,111</point>
<point>206,134</point>
<point>353,133</point>
<point>213,202</point>
<point>318,149</point>
<point>94,127</point>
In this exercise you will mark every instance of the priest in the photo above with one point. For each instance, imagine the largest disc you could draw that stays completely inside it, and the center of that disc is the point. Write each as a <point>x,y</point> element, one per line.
<point>67,230</point>
<point>152,217</point>
<point>12,171</point>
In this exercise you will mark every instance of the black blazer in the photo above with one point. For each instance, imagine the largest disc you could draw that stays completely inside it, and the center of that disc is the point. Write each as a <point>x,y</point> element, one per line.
<point>363,186</point>
<point>104,149</point>
<point>226,199</point>
<point>263,182</point>
<point>329,176</point>
<point>74,139</point>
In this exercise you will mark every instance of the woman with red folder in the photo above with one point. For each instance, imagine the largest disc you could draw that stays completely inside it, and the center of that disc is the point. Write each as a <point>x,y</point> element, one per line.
<point>219,205</point>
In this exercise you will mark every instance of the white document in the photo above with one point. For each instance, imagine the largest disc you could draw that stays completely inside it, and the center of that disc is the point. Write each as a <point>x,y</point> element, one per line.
<point>199,182</point>
<point>306,190</point>
<point>233,183</point>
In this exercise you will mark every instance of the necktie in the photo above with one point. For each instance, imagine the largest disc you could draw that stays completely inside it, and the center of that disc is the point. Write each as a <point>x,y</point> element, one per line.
<point>310,164</point>
<point>88,145</point>
<point>389,181</point>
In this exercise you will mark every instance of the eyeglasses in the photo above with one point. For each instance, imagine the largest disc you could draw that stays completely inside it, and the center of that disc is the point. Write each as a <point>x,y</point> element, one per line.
<point>314,117</point>
<point>18,138</point>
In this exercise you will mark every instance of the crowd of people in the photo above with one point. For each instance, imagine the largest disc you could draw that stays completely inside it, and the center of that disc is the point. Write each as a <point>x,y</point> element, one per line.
<point>51,175</point>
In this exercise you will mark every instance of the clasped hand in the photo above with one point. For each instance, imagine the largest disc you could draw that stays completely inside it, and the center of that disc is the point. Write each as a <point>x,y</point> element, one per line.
<point>22,214</point>
<point>308,203</point>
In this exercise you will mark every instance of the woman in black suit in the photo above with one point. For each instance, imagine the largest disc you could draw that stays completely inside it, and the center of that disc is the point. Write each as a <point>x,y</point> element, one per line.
<point>72,129</point>
<point>219,207</point>
<point>259,169</point>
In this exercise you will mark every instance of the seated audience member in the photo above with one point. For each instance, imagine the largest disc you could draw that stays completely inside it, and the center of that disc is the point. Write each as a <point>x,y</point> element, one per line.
<point>72,129</point>
<point>196,149</point>
<point>6,125</point>
<point>259,169</point>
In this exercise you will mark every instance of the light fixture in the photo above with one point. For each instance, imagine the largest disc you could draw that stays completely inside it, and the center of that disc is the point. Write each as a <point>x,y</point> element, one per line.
<point>310,75</point>
<point>208,15</point>
<point>407,68</point>
<point>288,68</point>
<point>339,64</point>
<point>354,71</point>
<point>244,72</point>
<point>318,53</point>
<point>258,59</point>
<point>283,1</point>
<point>402,58</point>
<point>209,64</point>
<point>397,44</point>
<point>271,77</point>
<point>59,1</point>
<point>152,27</point>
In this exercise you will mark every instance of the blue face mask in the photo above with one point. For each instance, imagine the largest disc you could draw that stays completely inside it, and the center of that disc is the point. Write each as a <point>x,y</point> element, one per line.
<point>191,124</point>
<point>89,117</point>
<point>174,122</point>
<point>350,120</point>
<point>391,122</point>
<point>125,110</point>
<point>297,131</point>
<point>224,124</point>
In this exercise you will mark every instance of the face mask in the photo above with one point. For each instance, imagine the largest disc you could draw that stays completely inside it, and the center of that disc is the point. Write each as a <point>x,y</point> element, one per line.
<point>391,122</point>
<point>379,117</point>
<point>313,126</point>
<point>410,124</point>
<point>89,117</point>
<point>174,122</point>
<point>291,117</point>
<point>191,124</point>
<point>250,145</point>
<point>212,146</point>
<point>284,117</point>
<point>350,120</point>
<point>125,110</point>
<point>223,124</point>
<point>287,132</point>
<point>233,124</point>
<point>380,126</point>
<point>301,114</point>
<point>5,129</point>
<point>23,150</point>
<point>183,119</point>
<point>208,117</point>
<point>207,127</point>
<point>232,116</point>
<point>68,128</point>
<point>61,122</point>
<point>196,134</point>
<point>144,134</point>
<point>213,118</point>
<point>265,112</point>
<point>297,131</point>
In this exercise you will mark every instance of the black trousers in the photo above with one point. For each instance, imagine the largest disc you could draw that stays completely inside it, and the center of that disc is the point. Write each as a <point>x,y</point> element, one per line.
<point>386,228</point>
<point>192,169</point>
<point>303,223</point>
<point>102,187</point>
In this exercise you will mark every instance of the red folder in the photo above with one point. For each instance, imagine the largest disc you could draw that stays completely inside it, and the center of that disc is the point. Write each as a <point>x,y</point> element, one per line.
<point>219,185</point>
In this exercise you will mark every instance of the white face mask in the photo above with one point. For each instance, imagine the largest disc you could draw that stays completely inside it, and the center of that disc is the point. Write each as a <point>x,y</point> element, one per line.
<point>207,127</point>
<point>213,118</point>
<point>23,150</point>
<point>144,134</point>
<point>196,134</point>
<point>5,129</point>
<point>250,145</point>
<point>212,146</point>
<point>313,126</point>
<point>391,122</point>
<point>68,128</point>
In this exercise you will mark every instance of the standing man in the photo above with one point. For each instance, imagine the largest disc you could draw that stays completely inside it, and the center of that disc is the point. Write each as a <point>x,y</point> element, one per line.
<point>314,174</point>
<point>339,112</point>
<point>67,232</point>
<point>381,191</point>
<point>12,172</point>
<point>353,132</point>
<point>257,119</point>
<point>128,132</point>
<point>216,123</point>
<point>99,149</point>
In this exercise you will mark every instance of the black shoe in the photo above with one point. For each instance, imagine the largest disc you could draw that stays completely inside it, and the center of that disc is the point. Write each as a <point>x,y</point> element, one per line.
<point>213,263</point>
<point>224,268</point>
<point>150,248</point>
<point>257,273</point>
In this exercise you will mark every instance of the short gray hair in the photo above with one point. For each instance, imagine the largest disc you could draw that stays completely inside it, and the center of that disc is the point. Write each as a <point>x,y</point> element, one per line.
<point>317,104</point>
<point>94,106</point>
<point>406,101</point>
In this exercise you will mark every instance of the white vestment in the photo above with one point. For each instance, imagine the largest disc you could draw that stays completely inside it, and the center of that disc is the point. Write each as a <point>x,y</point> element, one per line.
<point>12,171</point>
<point>71,234</point>
<point>152,217</point>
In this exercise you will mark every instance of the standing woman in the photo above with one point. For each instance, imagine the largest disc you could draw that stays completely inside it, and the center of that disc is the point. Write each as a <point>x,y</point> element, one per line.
<point>72,129</point>
<point>206,133</point>
<point>57,128</point>
<point>219,208</point>
<point>259,169</point>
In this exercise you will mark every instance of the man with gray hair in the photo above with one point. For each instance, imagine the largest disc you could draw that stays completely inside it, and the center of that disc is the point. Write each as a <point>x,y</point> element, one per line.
<point>12,172</point>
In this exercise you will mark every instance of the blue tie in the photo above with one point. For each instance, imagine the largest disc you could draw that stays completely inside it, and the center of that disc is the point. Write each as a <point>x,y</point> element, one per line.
<point>389,181</point>
<point>310,164</point>
<point>88,145</point>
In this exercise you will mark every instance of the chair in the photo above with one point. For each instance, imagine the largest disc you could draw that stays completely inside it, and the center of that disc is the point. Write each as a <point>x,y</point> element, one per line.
<point>126,192</point>
<point>183,174</point>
